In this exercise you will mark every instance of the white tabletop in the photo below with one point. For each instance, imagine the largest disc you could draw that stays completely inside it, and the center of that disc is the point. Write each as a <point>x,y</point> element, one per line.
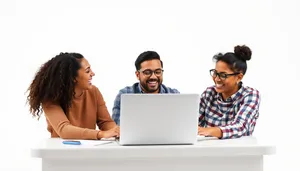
<point>54,148</point>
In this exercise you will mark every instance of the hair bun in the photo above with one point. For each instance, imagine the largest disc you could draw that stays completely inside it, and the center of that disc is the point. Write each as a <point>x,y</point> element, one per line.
<point>243,52</point>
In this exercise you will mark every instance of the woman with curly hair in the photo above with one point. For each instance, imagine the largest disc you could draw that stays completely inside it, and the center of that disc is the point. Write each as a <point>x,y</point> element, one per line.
<point>229,109</point>
<point>63,90</point>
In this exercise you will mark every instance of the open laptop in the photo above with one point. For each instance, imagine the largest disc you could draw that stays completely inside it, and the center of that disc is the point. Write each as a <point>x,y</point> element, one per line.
<point>149,119</point>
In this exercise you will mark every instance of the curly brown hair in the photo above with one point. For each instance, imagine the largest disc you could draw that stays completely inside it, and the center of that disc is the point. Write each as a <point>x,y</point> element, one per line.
<point>54,82</point>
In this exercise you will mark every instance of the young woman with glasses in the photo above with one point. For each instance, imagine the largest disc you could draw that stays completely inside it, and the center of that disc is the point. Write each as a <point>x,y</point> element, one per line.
<point>229,109</point>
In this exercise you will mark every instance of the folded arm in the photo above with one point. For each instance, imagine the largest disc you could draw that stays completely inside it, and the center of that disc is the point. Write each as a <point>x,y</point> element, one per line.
<point>62,126</point>
<point>104,120</point>
<point>245,120</point>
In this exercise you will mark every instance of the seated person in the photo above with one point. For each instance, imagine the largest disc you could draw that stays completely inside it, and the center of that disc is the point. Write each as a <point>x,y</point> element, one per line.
<point>63,90</point>
<point>149,72</point>
<point>229,109</point>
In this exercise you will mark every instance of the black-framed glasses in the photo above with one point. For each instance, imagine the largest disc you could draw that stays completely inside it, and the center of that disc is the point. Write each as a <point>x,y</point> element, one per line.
<point>149,72</point>
<point>221,75</point>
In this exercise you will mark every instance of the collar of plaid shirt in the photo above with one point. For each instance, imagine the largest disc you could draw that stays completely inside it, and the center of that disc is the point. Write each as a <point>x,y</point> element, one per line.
<point>233,97</point>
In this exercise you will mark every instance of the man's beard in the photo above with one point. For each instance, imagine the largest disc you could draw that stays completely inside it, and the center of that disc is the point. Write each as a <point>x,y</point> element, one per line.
<point>147,88</point>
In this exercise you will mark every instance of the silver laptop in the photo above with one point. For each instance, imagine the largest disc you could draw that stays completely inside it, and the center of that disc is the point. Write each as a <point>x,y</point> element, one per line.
<point>149,119</point>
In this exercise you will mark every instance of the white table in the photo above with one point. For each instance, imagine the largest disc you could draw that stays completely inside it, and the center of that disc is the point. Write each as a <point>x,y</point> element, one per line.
<point>242,154</point>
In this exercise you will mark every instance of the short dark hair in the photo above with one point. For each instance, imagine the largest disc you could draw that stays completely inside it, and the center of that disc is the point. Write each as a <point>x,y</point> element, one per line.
<point>236,60</point>
<point>146,56</point>
<point>54,82</point>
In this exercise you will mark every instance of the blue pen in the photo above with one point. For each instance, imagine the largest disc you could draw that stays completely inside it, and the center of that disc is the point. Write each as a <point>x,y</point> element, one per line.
<point>72,142</point>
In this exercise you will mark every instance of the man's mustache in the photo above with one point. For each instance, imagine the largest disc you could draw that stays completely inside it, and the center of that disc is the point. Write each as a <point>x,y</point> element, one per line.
<point>158,80</point>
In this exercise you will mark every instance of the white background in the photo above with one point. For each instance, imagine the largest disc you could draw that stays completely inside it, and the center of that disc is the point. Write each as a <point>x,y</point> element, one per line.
<point>185,33</point>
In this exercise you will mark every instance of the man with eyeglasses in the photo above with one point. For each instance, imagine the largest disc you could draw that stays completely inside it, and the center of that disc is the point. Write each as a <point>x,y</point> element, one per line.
<point>149,72</point>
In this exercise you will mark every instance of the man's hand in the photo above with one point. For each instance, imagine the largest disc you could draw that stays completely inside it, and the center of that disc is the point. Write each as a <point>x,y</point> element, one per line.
<point>210,131</point>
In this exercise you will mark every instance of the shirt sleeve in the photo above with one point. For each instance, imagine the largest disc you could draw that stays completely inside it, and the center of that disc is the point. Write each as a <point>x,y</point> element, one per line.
<point>245,119</point>
<point>176,91</point>
<point>202,107</point>
<point>62,126</point>
<point>116,108</point>
<point>104,121</point>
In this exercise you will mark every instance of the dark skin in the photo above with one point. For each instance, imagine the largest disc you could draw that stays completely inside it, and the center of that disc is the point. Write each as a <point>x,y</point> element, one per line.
<point>150,84</point>
<point>227,87</point>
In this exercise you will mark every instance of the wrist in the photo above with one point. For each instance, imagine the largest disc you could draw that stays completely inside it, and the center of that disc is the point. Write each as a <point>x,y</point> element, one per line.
<point>100,135</point>
<point>219,132</point>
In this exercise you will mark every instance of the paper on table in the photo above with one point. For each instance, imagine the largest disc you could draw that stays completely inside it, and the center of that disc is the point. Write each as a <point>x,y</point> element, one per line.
<point>108,139</point>
<point>202,137</point>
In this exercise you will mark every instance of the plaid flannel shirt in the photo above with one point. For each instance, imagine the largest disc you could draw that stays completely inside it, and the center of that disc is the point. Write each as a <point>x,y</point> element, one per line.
<point>236,116</point>
<point>135,88</point>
